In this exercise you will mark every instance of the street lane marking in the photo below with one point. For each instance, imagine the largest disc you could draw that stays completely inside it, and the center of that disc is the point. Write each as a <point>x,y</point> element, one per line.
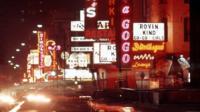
<point>16,108</point>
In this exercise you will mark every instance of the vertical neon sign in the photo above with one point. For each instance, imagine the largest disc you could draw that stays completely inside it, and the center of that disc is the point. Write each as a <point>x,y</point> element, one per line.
<point>41,47</point>
<point>125,34</point>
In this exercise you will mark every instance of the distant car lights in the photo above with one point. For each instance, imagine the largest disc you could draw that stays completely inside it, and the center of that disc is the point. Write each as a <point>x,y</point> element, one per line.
<point>38,98</point>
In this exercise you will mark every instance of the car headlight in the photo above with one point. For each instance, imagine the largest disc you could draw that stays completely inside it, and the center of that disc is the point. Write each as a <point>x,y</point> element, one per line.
<point>38,98</point>
<point>127,109</point>
<point>7,99</point>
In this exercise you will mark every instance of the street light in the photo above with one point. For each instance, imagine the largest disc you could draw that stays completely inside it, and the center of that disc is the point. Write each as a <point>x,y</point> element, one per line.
<point>23,44</point>
<point>39,25</point>
<point>13,57</point>
<point>18,50</point>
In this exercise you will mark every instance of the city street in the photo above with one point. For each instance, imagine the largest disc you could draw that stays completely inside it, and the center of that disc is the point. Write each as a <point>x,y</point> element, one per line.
<point>99,56</point>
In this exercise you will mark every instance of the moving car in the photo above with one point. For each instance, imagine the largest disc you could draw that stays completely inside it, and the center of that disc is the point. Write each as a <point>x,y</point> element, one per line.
<point>112,100</point>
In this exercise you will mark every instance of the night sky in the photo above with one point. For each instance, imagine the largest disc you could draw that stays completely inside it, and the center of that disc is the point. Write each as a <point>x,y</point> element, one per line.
<point>19,17</point>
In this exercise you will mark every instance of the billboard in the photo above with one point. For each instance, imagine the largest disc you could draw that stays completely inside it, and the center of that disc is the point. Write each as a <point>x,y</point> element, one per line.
<point>148,32</point>
<point>82,49</point>
<point>104,53</point>
<point>77,26</point>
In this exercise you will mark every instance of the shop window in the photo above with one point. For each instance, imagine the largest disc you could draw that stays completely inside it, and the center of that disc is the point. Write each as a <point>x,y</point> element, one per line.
<point>186,29</point>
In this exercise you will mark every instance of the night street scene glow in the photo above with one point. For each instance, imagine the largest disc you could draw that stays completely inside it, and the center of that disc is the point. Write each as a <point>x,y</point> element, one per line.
<point>99,56</point>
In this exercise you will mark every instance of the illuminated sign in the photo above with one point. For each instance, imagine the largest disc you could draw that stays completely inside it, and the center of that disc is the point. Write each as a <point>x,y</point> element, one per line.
<point>41,47</point>
<point>77,26</point>
<point>47,60</point>
<point>102,24</point>
<point>33,57</point>
<point>82,15</point>
<point>78,60</point>
<point>108,52</point>
<point>141,65</point>
<point>81,39</point>
<point>92,33</point>
<point>111,12</point>
<point>104,53</point>
<point>148,31</point>
<point>148,47</point>
<point>81,49</point>
<point>145,56</point>
<point>91,9</point>
<point>125,36</point>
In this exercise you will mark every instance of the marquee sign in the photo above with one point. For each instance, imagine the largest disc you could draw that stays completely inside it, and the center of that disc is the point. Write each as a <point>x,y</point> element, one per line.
<point>104,53</point>
<point>148,31</point>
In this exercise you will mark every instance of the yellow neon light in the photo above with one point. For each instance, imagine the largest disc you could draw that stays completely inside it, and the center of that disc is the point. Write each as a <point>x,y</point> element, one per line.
<point>141,65</point>
<point>148,47</point>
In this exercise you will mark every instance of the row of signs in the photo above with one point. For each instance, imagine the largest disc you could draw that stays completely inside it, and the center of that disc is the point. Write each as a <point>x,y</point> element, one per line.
<point>138,43</point>
<point>141,31</point>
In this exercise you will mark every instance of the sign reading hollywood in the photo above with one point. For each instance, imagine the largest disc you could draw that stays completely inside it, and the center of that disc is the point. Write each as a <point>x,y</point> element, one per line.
<point>148,31</point>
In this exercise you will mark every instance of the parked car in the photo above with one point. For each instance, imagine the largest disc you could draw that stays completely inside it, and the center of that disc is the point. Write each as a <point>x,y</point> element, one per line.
<point>112,100</point>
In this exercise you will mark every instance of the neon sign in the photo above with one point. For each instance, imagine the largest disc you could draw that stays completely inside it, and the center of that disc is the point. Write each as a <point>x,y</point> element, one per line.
<point>141,65</point>
<point>41,47</point>
<point>111,12</point>
<point>143,57</point>
<point>91,10</point>
<point>91,33</point>
<point>125,32</point>
<point>148,47</point>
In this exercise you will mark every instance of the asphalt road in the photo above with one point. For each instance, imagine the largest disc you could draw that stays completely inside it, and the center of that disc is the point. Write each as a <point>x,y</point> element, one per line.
<point>60,104</point>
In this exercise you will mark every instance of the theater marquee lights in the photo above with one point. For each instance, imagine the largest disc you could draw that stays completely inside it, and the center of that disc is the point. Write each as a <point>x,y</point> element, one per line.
<point>125,37</point>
